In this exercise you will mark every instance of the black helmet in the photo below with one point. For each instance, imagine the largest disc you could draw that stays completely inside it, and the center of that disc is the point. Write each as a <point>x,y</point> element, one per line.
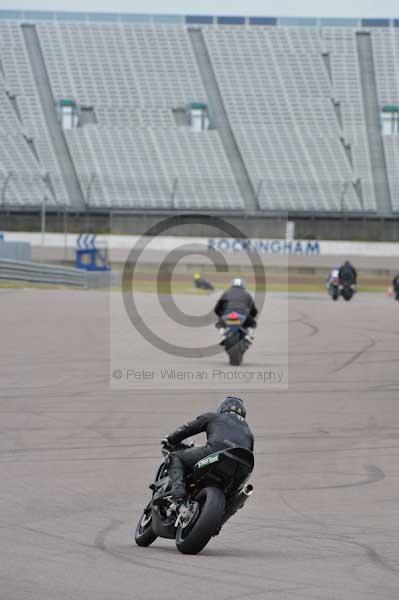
<point>232,404</point>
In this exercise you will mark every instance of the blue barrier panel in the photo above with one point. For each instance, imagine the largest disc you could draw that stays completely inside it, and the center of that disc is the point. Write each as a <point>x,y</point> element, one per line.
<point>231,20</point>
<point>38,15</point>
<point>172,19</point>
<point>297,22</point>
<point>335,22</point>
<point>89,256</point>
<point>135,18</point>
<point>11,14</point>
<point>376,22</point>
<point>106,17</point>
<point>199,20</point>
<point>263,21</point>
<point>71,16</point>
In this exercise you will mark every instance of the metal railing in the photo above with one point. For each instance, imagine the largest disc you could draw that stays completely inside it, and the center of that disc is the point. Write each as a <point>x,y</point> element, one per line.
<point>31,272</point>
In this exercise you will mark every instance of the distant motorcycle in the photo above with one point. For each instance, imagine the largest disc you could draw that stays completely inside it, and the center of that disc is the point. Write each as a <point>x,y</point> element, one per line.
<point>347,290</point>
<point>216,487</point>
<point>236,338</point>
<point>337,288</point>
<point>333,288</point>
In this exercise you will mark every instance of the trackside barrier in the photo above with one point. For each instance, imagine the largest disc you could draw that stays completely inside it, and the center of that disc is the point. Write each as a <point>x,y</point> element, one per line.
<point>31,272</point>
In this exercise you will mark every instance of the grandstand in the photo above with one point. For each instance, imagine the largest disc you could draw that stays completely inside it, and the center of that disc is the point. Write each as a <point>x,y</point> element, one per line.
<point>290,114</point>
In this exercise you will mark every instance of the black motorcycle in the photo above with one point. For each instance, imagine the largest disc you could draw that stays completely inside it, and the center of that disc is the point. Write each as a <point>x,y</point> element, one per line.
<point>216,489</point>
<point>236,337</point>
<point>348,290</point>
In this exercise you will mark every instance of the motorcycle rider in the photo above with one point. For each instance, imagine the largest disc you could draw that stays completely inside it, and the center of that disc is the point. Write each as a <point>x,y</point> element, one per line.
<point>395,285</point>
<point>201,283</point>
<point>236,298</point>
<point>226,428</point>
<point>348,273</point>
<point>333,274</point>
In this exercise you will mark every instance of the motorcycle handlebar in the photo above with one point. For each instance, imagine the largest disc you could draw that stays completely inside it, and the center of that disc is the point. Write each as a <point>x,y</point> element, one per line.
<point>165,443</point>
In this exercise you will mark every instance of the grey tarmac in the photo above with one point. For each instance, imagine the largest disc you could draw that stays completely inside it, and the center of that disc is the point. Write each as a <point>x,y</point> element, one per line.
<point>77,456</point>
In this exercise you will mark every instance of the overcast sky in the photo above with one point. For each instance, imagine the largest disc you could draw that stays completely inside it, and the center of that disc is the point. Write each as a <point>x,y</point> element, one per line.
<point>303,8</point>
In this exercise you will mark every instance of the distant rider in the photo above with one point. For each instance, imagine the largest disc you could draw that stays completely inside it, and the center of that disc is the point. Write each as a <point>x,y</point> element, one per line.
<point>237,299</point>
<point>201,283</point>
<point>227,428</point>
<point>333,275</point>
<point>395,284</point>
<point>348,273</point>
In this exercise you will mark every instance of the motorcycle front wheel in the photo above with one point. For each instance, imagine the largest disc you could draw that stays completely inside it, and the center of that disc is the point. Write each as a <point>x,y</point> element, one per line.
<point>144,535</point>
<point>193,537</point>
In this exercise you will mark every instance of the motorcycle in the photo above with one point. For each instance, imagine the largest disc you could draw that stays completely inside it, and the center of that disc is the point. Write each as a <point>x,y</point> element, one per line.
<point>333,288</point>
<point>216,488</point>
<point>347,290</point>
<point>236,338</point>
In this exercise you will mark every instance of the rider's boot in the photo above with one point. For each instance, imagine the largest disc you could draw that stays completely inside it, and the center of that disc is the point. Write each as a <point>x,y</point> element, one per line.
<point>176,476</point>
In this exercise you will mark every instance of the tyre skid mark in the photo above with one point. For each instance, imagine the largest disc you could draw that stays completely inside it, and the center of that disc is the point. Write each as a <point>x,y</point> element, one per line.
<point>375,474</point>
<point>372,342</point>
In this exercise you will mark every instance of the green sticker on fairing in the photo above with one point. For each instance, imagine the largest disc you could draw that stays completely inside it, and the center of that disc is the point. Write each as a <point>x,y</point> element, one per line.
<point>208,460</point>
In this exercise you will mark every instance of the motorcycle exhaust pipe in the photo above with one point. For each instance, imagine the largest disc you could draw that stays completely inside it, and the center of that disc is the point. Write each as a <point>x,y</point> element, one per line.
<point>248,490</point>
<point>238,501</point>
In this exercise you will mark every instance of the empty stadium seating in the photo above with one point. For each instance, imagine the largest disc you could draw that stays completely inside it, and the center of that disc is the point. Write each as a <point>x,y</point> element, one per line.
<point>386,60</point>
<point>292,95</point>
<point>121,65</point>
<point>134,77</point>
<point>40,158</point>
<point>153,168</point>
<point>280,102</point>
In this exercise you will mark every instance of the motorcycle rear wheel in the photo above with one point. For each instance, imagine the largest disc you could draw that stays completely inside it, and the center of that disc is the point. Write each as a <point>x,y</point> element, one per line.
<point>191,540</point>
<point>235,355</point>
<point>144,534</point>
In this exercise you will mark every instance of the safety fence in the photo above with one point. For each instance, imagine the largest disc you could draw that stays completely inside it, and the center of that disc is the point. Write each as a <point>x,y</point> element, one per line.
<point>32,272</point>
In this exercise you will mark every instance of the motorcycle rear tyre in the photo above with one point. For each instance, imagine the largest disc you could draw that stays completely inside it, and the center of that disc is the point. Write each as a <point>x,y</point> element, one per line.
<point>235,355</point>
<point>212,505</point>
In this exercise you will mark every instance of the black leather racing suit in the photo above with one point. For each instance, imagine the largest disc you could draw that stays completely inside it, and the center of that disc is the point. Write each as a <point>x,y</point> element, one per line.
<point>348,273</point>
<point>239,300</point>
<point>223,430</point>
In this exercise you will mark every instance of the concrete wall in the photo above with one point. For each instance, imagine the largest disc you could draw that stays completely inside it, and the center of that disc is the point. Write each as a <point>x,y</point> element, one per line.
<point>349,228</point>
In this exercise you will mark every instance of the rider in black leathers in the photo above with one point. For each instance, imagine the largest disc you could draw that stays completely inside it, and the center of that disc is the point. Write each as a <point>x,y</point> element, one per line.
<point>225,428</point>
<point>347,273</point>
<point>239,300</point>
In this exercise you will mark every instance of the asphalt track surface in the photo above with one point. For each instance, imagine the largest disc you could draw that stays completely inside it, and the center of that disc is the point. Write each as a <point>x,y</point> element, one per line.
<point>76,458</point>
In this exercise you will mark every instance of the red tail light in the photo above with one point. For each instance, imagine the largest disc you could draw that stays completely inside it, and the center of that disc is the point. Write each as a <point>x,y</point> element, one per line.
<point>232,315</point>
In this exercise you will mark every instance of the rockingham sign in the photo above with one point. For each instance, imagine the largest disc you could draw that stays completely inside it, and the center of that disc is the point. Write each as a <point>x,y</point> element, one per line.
<point>274,247</point>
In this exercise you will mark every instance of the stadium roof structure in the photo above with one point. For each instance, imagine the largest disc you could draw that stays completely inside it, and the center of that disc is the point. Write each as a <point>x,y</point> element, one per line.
<point>198,20</point>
